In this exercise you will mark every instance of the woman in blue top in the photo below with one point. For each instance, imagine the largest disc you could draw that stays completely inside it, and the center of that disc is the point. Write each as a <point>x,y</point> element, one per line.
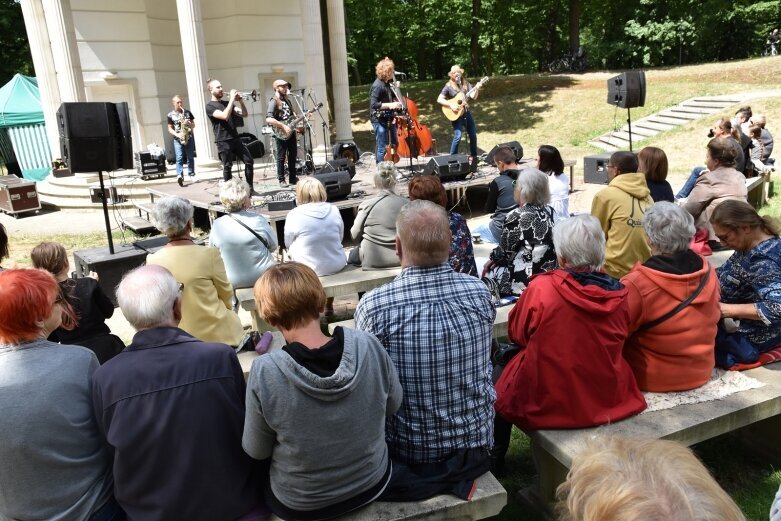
<point>750,283</point>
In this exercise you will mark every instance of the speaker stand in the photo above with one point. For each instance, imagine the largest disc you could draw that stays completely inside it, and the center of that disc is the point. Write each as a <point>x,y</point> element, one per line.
<point>629,122</point>
<point>105,213</point>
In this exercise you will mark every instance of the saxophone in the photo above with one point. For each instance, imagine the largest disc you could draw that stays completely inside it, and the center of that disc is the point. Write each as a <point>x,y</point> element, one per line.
<point>186,132</point>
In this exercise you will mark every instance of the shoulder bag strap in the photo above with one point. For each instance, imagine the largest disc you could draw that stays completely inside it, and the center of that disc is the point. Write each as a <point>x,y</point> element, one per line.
<point>253,232</point>
<point>679,307</point>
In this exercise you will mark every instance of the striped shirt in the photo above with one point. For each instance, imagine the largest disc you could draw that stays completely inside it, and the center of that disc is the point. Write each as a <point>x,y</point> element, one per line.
<point>436,325</point>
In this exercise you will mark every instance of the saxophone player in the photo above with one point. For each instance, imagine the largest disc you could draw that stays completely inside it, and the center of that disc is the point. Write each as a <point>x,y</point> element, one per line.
<point>180,125</point>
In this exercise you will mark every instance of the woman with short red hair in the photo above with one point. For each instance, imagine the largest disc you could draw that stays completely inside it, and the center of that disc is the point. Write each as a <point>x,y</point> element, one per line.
<point>53,463</point>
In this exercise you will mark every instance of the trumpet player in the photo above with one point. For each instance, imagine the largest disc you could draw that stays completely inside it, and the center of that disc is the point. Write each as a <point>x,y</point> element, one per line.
<point>225,117</point>
<point>279,116</point>
<point>180,125</point>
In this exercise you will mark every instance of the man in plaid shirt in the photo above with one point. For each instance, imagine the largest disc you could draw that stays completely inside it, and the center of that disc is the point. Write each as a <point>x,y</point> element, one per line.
<point>436,325</point>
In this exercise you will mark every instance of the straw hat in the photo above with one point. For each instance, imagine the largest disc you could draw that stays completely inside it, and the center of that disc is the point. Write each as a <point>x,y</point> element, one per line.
<point>454,69</point>
<point>277,83</point>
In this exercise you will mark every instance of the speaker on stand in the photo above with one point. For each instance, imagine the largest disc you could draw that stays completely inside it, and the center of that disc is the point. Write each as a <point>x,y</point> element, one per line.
<point>627,90</point>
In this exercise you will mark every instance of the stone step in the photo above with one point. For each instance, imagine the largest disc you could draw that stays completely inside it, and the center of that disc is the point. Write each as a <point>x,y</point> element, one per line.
<point>622,135</point>
<point>673,122</point>
<point>607,147</point>
<point>640,131</point>
<point>652,125</point>
<point>708,104</point>
<point>685,116</point>
<point>700,111</point>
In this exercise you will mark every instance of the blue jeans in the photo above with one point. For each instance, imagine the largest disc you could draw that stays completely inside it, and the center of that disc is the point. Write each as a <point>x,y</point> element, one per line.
<point>182,150</point>
<point>688,186</point>
<point>381,137</point>
<point>471,131</point>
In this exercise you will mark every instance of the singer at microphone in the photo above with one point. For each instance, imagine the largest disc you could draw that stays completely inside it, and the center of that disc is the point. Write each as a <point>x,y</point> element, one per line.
<point>280,115</point>
<point>455,97</point>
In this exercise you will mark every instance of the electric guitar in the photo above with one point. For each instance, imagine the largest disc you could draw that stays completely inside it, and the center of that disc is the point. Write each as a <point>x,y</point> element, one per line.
<point>460,99</point>
<point>281,134</point>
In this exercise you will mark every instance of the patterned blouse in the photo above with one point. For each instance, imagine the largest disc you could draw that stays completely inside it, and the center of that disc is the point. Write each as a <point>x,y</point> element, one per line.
<point>462,256</point>
<point>754,276</point>
<point>525,248</point>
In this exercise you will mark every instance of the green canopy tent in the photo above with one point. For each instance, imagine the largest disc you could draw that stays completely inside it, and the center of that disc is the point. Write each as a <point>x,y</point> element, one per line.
<point>21,123</point>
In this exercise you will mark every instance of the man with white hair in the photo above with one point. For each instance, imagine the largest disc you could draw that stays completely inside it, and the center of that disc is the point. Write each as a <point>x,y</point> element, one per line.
<point>436,325</point>
<point>766,138</point>
<point>172,411</point>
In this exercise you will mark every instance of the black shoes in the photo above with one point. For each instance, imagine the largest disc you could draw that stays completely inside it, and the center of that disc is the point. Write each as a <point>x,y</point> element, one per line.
<point>180,180</point>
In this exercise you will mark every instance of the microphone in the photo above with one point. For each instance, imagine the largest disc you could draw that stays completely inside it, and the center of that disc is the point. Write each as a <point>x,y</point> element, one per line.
<point>402,74</point>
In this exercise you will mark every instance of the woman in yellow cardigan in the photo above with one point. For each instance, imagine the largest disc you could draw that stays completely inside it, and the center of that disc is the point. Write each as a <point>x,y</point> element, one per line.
<point>207,312</point>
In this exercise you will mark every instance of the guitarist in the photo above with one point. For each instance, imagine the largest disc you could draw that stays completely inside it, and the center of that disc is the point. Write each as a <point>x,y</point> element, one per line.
<point>280,112</point>
<point>457,84</point>
<point>382,103</point>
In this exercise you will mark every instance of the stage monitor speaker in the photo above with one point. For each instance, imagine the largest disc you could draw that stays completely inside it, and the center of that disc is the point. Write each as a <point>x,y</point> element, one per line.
<point>337,184</point>
<point>113,197</point>
<point>347,151</point>
<point>595,168</point>
<point>627,90</point>
<point>335,165</point>
<point>449,168</point>
<point>110,268</point>
<point>514,145</point>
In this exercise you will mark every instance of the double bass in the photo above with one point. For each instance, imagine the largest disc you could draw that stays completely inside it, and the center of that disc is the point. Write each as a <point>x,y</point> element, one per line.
<point>414,138</point>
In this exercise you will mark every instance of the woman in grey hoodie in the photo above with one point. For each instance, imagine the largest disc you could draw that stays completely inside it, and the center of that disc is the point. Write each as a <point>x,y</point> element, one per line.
<point>316,408</point>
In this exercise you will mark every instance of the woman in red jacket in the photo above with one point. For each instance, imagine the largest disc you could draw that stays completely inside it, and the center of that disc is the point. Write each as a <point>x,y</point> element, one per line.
<point>572,324</point>
<point>674,353</point>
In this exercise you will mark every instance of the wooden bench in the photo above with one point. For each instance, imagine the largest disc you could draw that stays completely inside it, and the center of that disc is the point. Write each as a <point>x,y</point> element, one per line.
<point>500,322</point>
<point>352,279</point>
<point>758,189</point>
<point>755,409</point>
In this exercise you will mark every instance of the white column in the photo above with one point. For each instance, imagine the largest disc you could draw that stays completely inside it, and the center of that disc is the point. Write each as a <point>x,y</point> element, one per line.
<point>67,64</point>
<point>339,75</point>
<point>197,72</point>
<point>314,71</point>
<point>45,72</point>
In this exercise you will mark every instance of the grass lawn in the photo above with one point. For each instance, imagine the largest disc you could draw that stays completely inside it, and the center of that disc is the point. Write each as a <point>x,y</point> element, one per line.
<point>568,111</point>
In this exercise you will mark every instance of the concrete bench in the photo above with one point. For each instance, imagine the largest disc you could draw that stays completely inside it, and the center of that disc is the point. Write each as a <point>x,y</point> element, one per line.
<point>500,322</point>
<point>488,500</point>
<point>352,279</point>
<point>758,188</point>
<point>756,410</point>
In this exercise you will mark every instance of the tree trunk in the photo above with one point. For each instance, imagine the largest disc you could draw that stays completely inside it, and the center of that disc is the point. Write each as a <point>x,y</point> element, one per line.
<point>474,42</point>
<point>574,25</point>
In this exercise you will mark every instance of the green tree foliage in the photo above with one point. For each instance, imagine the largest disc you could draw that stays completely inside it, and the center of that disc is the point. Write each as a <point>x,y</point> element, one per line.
<point>425,37</point>
<point>14,49</point>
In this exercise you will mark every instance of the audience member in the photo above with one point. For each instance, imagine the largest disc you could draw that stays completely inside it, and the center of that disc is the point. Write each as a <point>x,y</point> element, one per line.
<point>500,200</point>
<point>652,162</point>
<point>721,129</point>
<point>550,162</point>
<point>53,464</point>
<point>317,407</point>
<point>673,306</point>
<point>3,244</point>
<point>91,305</point>
<point>207,294</point>
<point>757,152</point>
<point>314,229</point>
<point>436,325</point>
<point>526,247</point>
<point>374,229</point>
<point>750,283</point>
<point>626,479</point>
<point>720,183</point>
<point>571,324</point>
<point>766,137</point>
<point>620,209</point>
<point>171,408</point>
<point>462,256</point>
<point>245,239</point>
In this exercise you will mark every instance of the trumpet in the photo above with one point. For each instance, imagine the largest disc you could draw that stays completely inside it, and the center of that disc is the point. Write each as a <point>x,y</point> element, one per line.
<point>248,95</point>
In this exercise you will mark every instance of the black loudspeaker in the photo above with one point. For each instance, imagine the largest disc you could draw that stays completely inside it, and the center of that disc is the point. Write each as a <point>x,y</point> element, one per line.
<point>335,165</point>
<point>95,136</point>
<point>110,268</point>
<point>347,151</point>
<point>337,184</point>
<point>595,168</point>
<point>516,147</point>
<point>449,168</point>
<point>627,90</point>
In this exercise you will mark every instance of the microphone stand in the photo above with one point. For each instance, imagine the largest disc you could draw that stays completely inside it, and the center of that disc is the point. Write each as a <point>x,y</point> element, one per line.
<point>324,124</point>
<point>301,103</point>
